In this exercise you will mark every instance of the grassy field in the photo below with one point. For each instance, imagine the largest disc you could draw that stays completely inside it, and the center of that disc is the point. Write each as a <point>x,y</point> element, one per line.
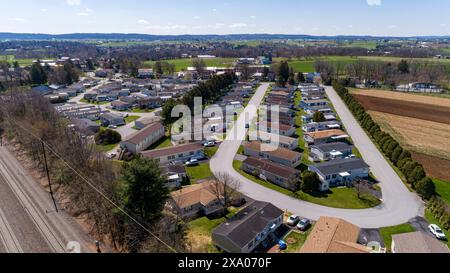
<point>427,137</point>
<point>199,233</point>
<point>387,232</point>
<point>130,119</point>
<point>307,65</point>
<point>11,59</point>
<point>94,103</point>
<point>105,148</point>
<point>344,198</point>
<point>417,98</point>
<point>165,142</point>
<point>211,151</point>
<point>199,172</point>
<point>443,189</point>
<point>183,64</point>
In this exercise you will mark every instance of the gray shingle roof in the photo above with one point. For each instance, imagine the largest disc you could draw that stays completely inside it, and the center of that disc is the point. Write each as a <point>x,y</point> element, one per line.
<point>340,165</point>
<point>248,223</point>
<point>334,146</point>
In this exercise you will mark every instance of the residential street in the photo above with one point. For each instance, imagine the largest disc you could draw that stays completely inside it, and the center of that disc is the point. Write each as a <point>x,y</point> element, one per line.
<point>28,220</point>
<point>398,207</point>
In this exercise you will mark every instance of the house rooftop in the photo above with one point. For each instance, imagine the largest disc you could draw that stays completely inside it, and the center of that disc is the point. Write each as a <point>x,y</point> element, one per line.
<point>278,152</point>
<point>340,166</point>
<point>282,127</point>
<point>200,193</point>
<point>333,235</point>
<point>173,150</point>
<point>272,137</point>
<point>418,242</point>
<point>139,136</point>
<point>326,134</point>
<point>271,167</point>
<point>248,223</point>
<point>330,147</point>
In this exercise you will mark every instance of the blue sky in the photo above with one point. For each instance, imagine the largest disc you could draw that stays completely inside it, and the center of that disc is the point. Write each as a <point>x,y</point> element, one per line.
<point>316,17</point>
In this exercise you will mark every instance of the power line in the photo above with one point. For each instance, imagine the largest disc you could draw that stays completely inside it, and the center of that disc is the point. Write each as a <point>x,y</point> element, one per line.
<point>94,187</point>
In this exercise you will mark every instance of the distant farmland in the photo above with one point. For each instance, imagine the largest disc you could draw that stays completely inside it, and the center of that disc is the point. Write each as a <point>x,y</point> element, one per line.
<point>11,59</point>
<point>183,64</point>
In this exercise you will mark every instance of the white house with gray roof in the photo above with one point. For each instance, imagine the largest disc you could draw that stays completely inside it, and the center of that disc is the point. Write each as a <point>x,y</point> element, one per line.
<point>330,151</point>
<point>340,172</point>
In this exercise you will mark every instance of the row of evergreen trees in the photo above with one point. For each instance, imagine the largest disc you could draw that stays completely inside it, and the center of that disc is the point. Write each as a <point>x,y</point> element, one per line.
<point>400,157</point>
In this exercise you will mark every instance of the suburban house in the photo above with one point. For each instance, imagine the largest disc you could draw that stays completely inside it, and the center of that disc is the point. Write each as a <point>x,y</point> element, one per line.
<point>277,128</point>
<point>249,228</point>
<point>321,126</point>
<point>145,73</point>
<point>313,104</point>
<point>417,242</point>
<point>280,175</point>
<point>333,235</point>
<point>330,151</point>
<point>175,154</point>
<point>325,136</point>
<point>86,126</point>
<point>274,139</point>
<point>175,174</point>
<point>196,200</point>
<point>144,138</point>
<point>112,119</point>
<point>120,105</point>
<point>276,154</point>
<point>340,172</point>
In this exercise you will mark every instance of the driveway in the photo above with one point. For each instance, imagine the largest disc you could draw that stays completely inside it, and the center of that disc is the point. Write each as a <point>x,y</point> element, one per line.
<point>421,224</point>
<point>398,207</point>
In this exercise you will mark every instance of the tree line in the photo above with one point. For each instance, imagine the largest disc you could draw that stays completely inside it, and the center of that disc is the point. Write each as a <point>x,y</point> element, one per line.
<point>400,157</point>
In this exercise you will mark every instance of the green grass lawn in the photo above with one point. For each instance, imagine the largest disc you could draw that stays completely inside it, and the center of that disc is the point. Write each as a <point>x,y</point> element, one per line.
<point>432,220</point>
<point>443,189</point>
<point>95,103</point>
<point>200,230</point>
<point>344,198</point>
<point>165,142</point>
<point>199,172</point>
<point>387,232</point>
<point>105,148</point>
<point>299,239</point>
<point>11,59</point>
<point>183,64</point>
<point>142,111</point>
<point>211,151</point>
<point>130,119</point>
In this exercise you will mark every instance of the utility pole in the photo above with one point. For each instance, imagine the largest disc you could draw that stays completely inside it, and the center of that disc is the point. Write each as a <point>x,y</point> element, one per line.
<point>48,176</point>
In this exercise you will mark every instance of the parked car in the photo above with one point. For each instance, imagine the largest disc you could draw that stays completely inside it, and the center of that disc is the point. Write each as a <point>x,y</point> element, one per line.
<point>437,231</point>
<point>112,126</point>
<point>111,155</point>
<point>238,202</point>
<point>192,162</point>
<point>210,144</point>
<point>293,220</point>
<point>304,224</point>
<point>247,126</point>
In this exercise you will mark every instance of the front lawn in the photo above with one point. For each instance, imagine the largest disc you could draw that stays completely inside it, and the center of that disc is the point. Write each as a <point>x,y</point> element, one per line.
<point>105,148</point>
<point>443,189</point>
<point>200,230</point>
<point>295,240</point>
<point>211,151</point>
<point>343,198</point>
<point>387,232</point>
<point>199,172</point>
<point>130,119</point>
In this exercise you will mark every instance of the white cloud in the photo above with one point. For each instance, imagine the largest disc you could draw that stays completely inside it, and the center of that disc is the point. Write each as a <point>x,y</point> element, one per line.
<point>89,10</point>
<point>73,2</point>
<point>166,27</point>
<point>374,2</point>
<point>143,22</point>
<point>44,10</point>
<point>83,14</point>
<point>253,17</point>
<point>238,25</point>
<point>196,17</point>
<point>214,10</point>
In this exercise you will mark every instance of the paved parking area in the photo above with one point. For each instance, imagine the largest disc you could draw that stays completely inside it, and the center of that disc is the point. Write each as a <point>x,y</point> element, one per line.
<point>370,235</point>
<point>421,224</point>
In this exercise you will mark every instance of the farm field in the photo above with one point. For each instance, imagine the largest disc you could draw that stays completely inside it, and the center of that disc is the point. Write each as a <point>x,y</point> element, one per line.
<point>434,166</point>
<point>307,65</point>
<point>183,64</point>
<point>11,59</point>
<point>417,98</point>
<point>434,113</point>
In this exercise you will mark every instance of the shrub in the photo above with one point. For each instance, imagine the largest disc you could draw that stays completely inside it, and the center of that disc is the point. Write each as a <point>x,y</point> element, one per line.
<point>426,188</point>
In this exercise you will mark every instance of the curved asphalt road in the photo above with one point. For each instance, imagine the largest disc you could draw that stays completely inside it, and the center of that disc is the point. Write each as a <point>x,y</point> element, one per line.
<point>398,207</point>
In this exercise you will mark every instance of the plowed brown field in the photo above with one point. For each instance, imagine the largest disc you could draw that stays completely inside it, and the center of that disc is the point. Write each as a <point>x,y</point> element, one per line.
<point>416,110</point>
<point>434,166</point>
